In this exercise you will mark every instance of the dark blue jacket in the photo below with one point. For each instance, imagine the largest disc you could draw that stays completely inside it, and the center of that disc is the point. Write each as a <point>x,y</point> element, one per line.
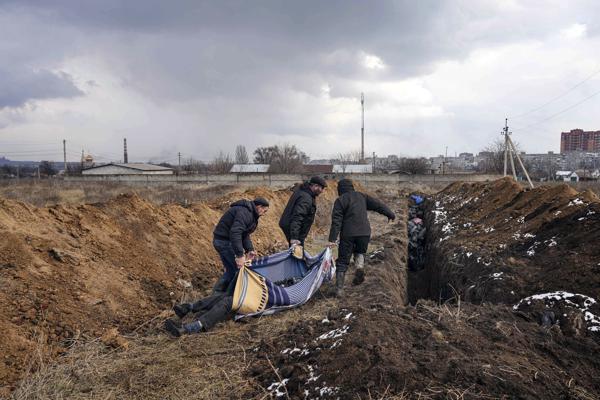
<point>237,224</point>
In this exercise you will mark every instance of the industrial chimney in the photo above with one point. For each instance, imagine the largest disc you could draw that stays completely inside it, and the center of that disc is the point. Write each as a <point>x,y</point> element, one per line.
<point>125,151</point>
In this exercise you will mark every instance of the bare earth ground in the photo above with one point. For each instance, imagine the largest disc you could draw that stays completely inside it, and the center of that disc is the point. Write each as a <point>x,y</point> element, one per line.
<point>71,274</point>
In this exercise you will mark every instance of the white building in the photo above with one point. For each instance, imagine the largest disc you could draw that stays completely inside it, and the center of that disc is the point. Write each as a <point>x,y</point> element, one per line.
<point>352,169</point>
<point>249,168</point>
<point>563,175</point>
<point>128,169</point>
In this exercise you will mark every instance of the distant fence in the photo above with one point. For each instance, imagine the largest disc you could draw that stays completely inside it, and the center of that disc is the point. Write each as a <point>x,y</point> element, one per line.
<point>278,180</point>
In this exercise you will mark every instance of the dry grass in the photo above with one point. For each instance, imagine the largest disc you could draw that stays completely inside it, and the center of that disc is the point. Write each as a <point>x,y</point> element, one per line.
<point>205,366</point>
<point>51,192</point>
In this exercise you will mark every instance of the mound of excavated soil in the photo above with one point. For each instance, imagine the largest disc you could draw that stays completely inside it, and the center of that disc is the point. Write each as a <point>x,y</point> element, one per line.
<point>68,271</point>
<point>373,346</point>
<point>497,242</point>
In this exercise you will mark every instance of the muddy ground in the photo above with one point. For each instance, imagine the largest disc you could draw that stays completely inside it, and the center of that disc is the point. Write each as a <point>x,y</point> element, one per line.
<point>450,331</point>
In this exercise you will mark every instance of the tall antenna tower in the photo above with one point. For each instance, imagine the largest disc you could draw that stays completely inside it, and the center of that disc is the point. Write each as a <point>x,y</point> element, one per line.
<point>125,151</point>
<point>510,151</point>
<point>362,128</point>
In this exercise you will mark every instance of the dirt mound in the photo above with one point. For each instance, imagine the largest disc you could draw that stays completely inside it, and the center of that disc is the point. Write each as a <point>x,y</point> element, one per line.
<point>496,242</point>
<point>72,271</point>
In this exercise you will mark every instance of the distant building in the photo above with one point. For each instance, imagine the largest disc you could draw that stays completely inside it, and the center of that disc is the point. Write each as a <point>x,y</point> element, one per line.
<point>128,169</point>
<point>563,175</point>
<point>249,168</point>
<point>353,169</point>
<point>580,140</point>
<point>310,169</point>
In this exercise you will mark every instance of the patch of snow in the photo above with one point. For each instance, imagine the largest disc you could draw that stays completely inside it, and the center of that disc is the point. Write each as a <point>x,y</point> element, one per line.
<point>501,246</point>
<point>578,301</point>
<point>275,388</point>
<point>576,202</point>
<point>590,212</point>
<point>521,220</point>
<point>469,254</point>
<point>336,333</point>
<point>348,316</point>
<point>580,219</point>
<point>529,235</point>
<point>516,236</point>
<point>325,321</point>
<point>488,230</point>
<point>497,276</point>
<point>557,213</point>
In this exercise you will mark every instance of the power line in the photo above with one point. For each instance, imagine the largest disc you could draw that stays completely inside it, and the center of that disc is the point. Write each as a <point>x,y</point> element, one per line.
<point>558,97</point>
<point>558,113</point>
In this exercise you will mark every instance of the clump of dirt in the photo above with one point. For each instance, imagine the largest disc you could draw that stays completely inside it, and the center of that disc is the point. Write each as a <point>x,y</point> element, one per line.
<point>74,271</point>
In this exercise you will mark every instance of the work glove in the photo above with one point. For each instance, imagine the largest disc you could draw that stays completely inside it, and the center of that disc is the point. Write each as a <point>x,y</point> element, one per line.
<point>294,242</point>
<point>252,255</point>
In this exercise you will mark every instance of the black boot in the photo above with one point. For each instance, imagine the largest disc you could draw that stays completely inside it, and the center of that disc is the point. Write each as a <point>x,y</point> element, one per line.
<point>181,310</point>
<point>174,328</point>
<point>221,286</point>
<point>339,283</point>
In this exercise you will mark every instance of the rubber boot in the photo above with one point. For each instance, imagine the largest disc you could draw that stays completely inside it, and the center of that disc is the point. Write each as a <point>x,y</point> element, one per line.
<point>339,283</point>
<point>174,328</point>
<point>359,274</point>
<point>221,286</point>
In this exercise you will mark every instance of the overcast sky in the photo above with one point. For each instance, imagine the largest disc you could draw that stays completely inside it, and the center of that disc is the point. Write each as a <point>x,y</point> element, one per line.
<point>201,77</point>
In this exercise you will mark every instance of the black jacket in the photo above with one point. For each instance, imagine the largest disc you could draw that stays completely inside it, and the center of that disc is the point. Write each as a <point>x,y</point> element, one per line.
<point>237,224</point>
<point>299,214</point>
<point>349,215</point>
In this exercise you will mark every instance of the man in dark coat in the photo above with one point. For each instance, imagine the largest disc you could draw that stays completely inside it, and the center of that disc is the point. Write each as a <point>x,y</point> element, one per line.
<point>231,237</point>
<point>349,220</point>
<point>299,213</point>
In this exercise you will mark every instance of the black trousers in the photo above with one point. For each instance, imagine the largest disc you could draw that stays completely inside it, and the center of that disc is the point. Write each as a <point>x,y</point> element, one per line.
<point>348,246</point>
<point>213,309</point>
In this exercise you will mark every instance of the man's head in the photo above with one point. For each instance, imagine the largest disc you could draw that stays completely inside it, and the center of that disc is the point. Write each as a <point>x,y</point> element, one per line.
<point>262,205</point>
<point>317,185</point>
<point>345,185</point>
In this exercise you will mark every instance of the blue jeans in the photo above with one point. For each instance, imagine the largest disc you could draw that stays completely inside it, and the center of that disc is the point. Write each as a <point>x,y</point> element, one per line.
<point>225,250</point>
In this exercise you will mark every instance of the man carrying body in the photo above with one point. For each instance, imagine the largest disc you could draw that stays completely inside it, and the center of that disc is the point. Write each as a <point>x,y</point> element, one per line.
<point>299,213</point>
<point>349,220</point>
<point>231,237</point>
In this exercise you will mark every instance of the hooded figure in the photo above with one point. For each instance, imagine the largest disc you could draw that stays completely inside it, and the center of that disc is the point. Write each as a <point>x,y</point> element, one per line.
<point>349,220</point>
<point>299,213</point>
<point>231,237</point>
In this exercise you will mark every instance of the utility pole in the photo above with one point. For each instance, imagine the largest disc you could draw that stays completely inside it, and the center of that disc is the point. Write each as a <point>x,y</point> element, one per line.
<point>362,129</point>
<point>373,162</point>
<point>445,161</point>
<point>125,151</point>
<point>65,155</point>
<point>510,150</point>
<point>179,162</point>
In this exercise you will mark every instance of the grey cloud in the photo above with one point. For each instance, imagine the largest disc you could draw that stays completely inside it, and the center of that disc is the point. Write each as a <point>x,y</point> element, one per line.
<point>19,87</point>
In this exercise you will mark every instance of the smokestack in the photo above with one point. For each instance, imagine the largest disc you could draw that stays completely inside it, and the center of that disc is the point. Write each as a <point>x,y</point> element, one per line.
<point>125,151</point>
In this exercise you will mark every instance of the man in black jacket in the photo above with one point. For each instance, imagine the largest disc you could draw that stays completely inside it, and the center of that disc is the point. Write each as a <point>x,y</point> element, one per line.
<point>349,220</point>
<point>231,237</point>
<point>299,213</point>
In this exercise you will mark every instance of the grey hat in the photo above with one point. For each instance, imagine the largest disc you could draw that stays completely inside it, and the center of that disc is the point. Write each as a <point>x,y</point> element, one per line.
<point>317,180</point>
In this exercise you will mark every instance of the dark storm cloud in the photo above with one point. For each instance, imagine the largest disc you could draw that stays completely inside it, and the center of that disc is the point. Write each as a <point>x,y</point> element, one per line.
<point>19,87</point>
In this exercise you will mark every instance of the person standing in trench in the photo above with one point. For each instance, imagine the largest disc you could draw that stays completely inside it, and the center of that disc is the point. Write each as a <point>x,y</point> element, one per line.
<point>349,220</point>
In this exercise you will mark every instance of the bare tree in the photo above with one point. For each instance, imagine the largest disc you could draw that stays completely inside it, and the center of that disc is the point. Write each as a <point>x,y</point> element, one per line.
<point>265,155</point>
<point>47,168</point>
<point>349,158</point>
<point>192,166</point>
<point>241,155</point>
<point>413,165</point>
<point>288,159</point>
<point>493,161</point>
<point>221,164</point>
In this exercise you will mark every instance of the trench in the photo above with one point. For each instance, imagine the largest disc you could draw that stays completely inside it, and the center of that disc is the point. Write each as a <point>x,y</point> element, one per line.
<point>425,276</point>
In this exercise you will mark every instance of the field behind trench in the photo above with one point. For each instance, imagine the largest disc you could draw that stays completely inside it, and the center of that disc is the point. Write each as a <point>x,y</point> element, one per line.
<point>369,344</point>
